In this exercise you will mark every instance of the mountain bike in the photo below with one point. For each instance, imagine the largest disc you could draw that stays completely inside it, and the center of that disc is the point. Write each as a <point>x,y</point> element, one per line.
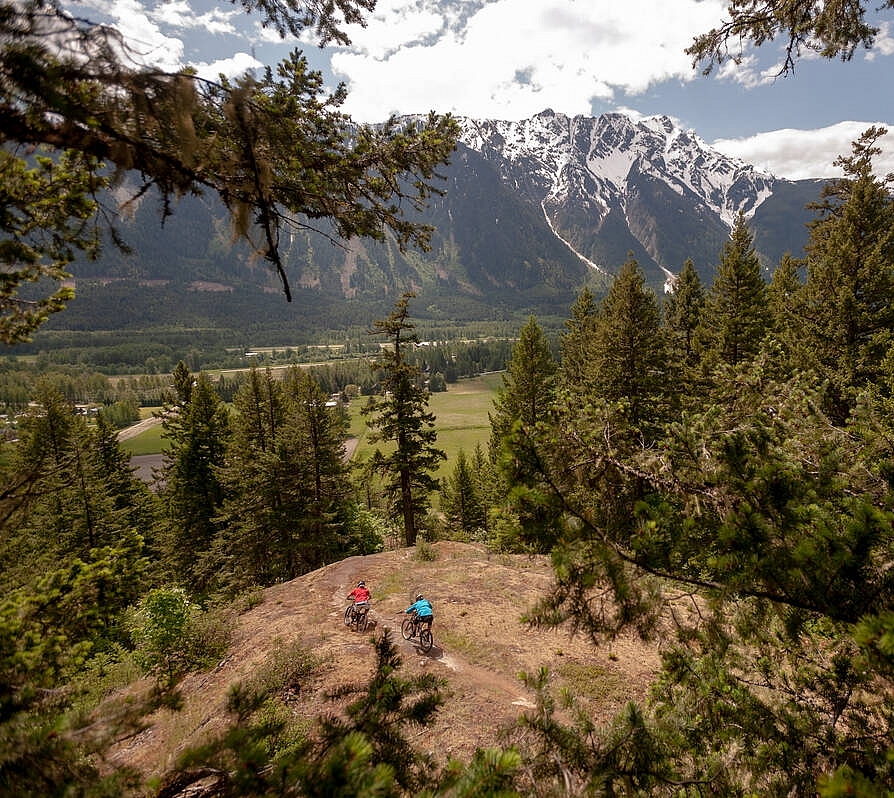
<point>414,625</point>
<point>357,617</point>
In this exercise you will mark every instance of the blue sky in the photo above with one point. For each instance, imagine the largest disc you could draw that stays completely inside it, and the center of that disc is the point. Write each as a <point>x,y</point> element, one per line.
<point>510,59</point>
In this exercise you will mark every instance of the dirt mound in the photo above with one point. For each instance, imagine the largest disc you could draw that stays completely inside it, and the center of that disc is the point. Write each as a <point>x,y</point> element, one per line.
<point>480,646</point>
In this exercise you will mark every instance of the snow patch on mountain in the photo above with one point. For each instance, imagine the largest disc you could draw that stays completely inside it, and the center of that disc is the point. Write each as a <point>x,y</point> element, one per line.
<point>569,159</point>
<point>595,266</point>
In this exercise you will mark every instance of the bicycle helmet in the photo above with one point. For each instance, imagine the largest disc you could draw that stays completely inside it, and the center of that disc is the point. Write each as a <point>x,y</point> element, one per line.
<point>419,596</point>
<point>361,583</point>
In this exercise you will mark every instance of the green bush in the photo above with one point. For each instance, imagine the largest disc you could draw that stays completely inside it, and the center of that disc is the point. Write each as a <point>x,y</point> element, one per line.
<point>159,628</point>
<point>172,635</point>
<point>366,531</point>
<point>425,552</point>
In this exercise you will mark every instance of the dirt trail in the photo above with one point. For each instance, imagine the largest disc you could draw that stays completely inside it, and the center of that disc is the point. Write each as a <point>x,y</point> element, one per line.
<point>480,647</point>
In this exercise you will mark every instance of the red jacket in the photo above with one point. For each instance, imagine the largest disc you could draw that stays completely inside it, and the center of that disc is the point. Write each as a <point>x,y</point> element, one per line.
<point>359,594</point>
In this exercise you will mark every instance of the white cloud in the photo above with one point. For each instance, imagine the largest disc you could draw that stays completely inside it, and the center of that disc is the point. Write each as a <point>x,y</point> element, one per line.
<point>802,154</point>
<point>884,42</point>
<point>232,67</point>
<point>149,45</point>
<point>512,58</point>
<point>180,14</point>
<point>269,35</point>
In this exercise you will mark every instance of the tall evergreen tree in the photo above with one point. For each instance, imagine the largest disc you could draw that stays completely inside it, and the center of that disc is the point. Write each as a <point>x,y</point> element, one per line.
<point>682,312</point>
<point>785,298</point>
<point>73,510</point>
<point>252,547</point>
<point>736,315</point>
<point>197,427</point>
<point>461,501</point>
<point>315,435</point>
<point>629,362</point>
<point>528,387</point>
<point>522,405</point>
<point>784,294</point>
<point>577,342</point>
<point>139,508</point>
<point>401,416</point>
<point>848,313</point>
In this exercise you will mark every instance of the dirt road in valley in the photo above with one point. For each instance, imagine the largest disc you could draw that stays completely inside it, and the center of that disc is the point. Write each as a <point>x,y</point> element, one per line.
<point>136,429</point>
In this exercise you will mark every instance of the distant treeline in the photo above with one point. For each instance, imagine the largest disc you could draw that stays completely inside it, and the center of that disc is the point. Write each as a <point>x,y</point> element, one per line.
<point>157,351</point>
<point>83,384</point>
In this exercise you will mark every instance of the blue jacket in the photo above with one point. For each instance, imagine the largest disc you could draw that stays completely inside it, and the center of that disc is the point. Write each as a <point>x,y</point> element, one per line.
<point>422,608</point>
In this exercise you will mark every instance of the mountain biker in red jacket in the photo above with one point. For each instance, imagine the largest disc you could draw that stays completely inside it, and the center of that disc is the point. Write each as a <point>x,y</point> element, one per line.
<point>360,594</point>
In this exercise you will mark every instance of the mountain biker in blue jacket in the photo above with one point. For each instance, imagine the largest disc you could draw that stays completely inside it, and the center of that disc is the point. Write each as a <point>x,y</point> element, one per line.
<point>423,610</point>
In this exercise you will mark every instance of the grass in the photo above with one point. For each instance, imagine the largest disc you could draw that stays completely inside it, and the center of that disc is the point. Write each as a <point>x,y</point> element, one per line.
<point>591,682</point>
<point>148,442</point>
<point>461,418</point>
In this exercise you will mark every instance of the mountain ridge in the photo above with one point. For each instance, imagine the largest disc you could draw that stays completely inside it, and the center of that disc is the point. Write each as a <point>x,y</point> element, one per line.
<point>533,211</point>
<point>596,166</point>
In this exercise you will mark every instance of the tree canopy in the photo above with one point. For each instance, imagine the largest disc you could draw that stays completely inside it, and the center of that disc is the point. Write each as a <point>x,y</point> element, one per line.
<point>832,28</point>
<point>274,149</point>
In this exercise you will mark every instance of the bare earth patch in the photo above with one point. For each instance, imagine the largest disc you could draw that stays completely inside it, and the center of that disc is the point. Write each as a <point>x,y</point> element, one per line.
<point>480,648</point>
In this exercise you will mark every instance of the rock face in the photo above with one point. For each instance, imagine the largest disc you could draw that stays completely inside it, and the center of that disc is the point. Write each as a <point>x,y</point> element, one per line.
<point>611,185</point>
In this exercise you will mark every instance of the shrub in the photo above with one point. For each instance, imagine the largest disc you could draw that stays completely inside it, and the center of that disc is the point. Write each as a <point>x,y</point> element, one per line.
<point>172,635</point>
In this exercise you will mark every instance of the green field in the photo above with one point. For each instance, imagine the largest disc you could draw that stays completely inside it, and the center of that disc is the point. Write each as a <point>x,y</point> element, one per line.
<point>461,418</point>
<point>148,442</point>
<point>461,415</point>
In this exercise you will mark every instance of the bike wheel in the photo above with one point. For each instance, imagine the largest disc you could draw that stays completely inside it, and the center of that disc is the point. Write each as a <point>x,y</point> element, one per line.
<point>408,629</point>
<point>348,612</point>
<point>362,621</point>
<point>425,640</point>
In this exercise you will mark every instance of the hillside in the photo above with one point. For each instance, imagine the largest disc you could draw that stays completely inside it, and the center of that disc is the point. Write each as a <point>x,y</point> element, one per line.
<point>480,646</point>
<point>533,211</point>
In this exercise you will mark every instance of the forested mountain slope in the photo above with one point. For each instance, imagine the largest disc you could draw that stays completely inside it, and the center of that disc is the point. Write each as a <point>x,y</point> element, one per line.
<point>533,211</point>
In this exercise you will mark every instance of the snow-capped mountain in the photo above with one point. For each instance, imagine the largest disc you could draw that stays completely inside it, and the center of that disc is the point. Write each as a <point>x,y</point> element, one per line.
<point>532,211</point>
<point>591,176</point>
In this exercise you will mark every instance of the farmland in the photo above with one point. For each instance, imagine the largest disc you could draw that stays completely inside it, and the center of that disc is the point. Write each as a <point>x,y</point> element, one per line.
<point>461,417</point>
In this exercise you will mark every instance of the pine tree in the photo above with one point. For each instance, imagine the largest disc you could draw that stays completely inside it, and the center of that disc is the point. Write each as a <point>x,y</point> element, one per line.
<point>683,308</point>
<point>628,350</point>
<point>401,416</point>
<point>76,504</point>
<point>784,295</point>
<point>528,387</point>
<point>785,300</point>
<point>848,312</point>
<point>137,506</point>
<point>315,435</point>
<point>521,408</point>
<point>461,501</point>
<point>736,315</point>
<point>197,426</point>
<point>252,547</point>
<point>488,484</point>
<point>577,342</point>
